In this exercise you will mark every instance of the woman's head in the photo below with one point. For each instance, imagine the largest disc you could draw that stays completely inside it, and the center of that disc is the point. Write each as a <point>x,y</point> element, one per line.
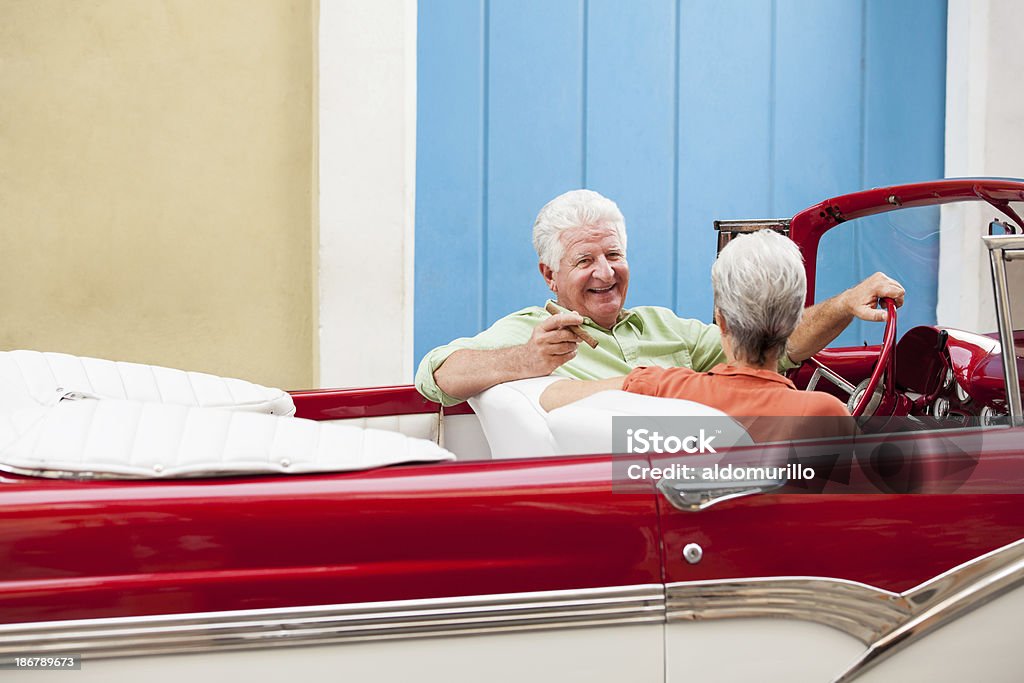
<point>759,286</point>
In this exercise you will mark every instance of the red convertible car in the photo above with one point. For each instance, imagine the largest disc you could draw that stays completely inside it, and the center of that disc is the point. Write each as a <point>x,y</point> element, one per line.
<point>159,524</point>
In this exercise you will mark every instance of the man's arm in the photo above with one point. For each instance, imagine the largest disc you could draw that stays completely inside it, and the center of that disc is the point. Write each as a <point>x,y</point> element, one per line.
<point>824,322</point>
<point>570,390</point>
<point>467,372</point>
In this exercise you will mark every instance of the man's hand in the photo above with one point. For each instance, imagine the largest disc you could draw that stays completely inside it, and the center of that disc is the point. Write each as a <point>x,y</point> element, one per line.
<point>552,344</point>
<point>861,300</point>
<point>469,371</point>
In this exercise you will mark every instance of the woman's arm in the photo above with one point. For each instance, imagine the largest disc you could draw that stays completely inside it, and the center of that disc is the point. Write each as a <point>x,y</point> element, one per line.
<point>569,390</point>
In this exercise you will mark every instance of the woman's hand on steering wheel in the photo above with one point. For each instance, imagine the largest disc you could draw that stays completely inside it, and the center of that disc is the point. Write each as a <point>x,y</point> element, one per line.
<point>886,364</point>
<point>863,394</point>
<point>863,301</point>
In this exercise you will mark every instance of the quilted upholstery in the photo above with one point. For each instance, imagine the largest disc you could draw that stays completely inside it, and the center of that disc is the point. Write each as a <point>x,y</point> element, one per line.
<point>33,378</point>
<point>117,438</point>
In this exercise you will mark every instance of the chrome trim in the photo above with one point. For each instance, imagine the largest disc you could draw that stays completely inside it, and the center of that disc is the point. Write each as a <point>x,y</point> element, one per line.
<point>884,621</point>
<point>945,598</point>
<point>1004,242</point>
<point>862,611</point>
<point>728,229</point>
<point>698,495</point>
<point>693,553</point>
<point>822,370</point>
<point>1000,247</point>
<point>440,426</point>
<point>348,623</point>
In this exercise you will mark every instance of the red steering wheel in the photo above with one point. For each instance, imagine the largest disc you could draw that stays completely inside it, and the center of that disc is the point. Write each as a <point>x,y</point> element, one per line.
<point>863,395</point>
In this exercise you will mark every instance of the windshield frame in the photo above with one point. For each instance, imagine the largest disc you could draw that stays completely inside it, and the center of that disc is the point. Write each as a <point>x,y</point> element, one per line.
<point>1003,248</point>
<point>808,226</point>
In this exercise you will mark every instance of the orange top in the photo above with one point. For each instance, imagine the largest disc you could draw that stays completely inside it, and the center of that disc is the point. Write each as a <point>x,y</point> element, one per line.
<point>747,394</point>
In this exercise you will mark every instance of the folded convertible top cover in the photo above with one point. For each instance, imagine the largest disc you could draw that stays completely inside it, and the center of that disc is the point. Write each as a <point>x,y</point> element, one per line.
<point>33,378</point>
<point>134,439</point>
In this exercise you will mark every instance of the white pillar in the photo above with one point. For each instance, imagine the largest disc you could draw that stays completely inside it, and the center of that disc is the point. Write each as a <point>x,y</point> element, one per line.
<point>984,137</point>
<point>367,148</point>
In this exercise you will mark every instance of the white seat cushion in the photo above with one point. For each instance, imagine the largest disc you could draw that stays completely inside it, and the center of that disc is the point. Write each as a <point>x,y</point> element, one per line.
<point>585,426</point>
<point>33,378</point>
<point>516,426</point>
<point>513,421</point>
<point>133,439</point>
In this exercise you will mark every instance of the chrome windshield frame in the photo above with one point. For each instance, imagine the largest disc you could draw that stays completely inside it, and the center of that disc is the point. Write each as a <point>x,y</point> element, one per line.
<point>1003,248</point>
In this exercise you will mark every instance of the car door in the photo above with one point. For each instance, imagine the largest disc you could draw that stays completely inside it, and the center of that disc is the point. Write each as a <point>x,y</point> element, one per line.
<point>901,557</point>
<point>853,571</point>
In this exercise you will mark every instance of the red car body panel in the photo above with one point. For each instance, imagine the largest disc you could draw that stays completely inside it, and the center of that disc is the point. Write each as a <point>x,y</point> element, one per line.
<point>96,549</point>
<point>894,541</point>
<point>340,404</point>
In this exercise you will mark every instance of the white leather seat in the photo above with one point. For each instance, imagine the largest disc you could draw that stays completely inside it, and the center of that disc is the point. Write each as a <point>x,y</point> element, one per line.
<point>33,378</point>
<point>513,421</point>
<point>517,426</point>
<point>585,426</point>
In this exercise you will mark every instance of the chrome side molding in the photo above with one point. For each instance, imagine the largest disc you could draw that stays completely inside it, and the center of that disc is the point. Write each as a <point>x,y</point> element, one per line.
<point>945,598</point>
<point>886,622</point>
<point>862,611</point>
<point>357,622</point>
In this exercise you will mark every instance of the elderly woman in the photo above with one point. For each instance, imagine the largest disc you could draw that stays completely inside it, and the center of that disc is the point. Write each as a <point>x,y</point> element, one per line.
<point>759,288</point>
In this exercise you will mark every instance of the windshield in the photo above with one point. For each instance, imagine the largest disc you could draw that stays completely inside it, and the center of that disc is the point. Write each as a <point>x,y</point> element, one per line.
<point>904,245</point>
<point>938,256</point>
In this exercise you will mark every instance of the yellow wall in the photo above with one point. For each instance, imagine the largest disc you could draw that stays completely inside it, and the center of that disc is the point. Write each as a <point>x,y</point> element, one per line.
<point>156,183</point>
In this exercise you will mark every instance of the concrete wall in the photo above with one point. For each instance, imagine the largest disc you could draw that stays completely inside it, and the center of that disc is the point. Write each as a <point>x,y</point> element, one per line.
<point>984,137</point>
<point>157,161</point>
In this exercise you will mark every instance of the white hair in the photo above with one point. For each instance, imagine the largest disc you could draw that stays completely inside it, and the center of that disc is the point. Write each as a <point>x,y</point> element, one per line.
<point>574,209</point>
<point>759,286</point>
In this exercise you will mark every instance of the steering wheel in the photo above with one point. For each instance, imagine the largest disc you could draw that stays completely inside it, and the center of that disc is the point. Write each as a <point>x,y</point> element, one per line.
<point>863,395</point>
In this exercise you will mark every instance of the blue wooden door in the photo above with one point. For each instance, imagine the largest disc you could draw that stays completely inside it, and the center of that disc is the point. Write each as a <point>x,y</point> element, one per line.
<point>682,111</point>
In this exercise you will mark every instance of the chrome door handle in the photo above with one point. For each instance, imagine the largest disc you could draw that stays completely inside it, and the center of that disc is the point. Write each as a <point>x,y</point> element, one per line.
<point>700,494</point>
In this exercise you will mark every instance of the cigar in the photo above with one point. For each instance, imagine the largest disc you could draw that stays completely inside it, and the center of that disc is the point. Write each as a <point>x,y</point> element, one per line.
<point>575,329</point>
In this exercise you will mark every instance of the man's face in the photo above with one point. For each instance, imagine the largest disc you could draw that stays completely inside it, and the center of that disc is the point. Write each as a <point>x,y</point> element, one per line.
<point>592,276</point>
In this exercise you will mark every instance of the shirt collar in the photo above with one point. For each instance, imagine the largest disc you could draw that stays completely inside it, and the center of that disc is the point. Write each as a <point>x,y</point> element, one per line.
<point>625,315</point>
<point>633,318</point>
<point>768,375</point>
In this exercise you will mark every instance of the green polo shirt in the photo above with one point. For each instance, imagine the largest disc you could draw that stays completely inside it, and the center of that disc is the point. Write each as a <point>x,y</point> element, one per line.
<point>644,336</point>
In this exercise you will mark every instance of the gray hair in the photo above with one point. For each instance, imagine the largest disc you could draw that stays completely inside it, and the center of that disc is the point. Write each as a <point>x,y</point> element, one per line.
<point>759,285</point>
<point>574,209</point>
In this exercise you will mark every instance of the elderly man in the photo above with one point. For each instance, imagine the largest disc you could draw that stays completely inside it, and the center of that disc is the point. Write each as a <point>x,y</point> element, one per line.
<point>759,287</point>
<point>580,239</point>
